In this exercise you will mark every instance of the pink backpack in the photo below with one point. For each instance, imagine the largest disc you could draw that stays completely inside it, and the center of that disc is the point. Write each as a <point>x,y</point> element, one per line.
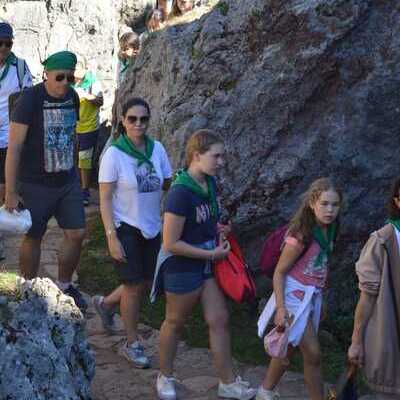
<point>272,250</point>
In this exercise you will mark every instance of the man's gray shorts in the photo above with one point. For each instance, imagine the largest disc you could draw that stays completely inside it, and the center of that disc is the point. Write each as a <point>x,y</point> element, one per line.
<point>65,203</point>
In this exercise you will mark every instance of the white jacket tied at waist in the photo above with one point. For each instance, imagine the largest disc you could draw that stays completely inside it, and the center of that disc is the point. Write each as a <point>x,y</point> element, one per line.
<point>301,309</point>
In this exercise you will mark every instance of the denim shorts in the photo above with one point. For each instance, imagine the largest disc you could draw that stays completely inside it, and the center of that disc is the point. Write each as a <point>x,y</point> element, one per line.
<point>65,203</point>
<point>141,255</point>
<point>184,282</point>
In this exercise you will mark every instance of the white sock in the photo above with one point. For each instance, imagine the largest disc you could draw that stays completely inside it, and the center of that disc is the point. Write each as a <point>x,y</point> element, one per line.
<point>63,285</point>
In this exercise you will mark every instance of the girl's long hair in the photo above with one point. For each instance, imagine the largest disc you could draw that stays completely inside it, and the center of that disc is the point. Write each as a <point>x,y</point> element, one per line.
<point>303,222</point>
<point>391,207</point>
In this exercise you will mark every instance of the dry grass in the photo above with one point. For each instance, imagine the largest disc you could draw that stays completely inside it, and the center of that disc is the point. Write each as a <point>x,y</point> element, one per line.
<point>8,283</point>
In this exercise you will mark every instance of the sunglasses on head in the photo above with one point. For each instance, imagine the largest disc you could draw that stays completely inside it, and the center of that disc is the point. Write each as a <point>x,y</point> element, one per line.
<point>69,77</point>
<point>132,119</point>
<point>5,43</point>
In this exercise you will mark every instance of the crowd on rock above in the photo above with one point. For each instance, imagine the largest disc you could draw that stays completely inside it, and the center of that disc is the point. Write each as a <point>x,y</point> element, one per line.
<point>41,129</point>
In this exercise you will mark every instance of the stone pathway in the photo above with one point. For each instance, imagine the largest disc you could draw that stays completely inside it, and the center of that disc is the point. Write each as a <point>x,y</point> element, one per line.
<point>116,379</point>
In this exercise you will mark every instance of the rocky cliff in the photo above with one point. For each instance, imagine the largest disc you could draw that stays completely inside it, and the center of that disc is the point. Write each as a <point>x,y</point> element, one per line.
<point>88,28</point>
<point>298,89</point>
<point>44,353</point>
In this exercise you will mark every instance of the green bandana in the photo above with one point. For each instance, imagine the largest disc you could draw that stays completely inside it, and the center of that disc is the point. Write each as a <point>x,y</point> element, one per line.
<point>60,60</point>
<point>125,144</point>
<point>87,81</point>
<point>326,244</point>
<point>124,66</point>
<point>182,177</point>
<point>395,223</point>
<point>10,60</point>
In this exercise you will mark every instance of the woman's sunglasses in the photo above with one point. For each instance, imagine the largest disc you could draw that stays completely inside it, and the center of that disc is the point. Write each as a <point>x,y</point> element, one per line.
<point>5,43</point>
<point>132,119</point>
<point>69,77</point>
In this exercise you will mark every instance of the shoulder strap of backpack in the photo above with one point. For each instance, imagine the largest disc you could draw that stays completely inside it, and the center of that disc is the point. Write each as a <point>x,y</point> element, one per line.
<point>21,65</point>
<point>76,101</point>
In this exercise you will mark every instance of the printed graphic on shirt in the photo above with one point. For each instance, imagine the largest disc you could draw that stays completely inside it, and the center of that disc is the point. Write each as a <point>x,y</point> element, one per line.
<point>59,121</point>
<point>147,179</point>
<point>316,271</point>
<point>203,213</point>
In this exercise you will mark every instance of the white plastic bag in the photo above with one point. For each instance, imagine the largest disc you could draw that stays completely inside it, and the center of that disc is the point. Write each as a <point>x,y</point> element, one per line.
<point>15,222</point>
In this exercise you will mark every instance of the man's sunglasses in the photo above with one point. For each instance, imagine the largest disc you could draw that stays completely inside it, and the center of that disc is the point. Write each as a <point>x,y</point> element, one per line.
<point>132,119</point>
<point>69,77</point>
<point>6,43</point>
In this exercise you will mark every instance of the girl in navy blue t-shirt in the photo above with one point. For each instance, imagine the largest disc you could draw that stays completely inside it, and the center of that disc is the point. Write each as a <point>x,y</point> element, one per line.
<point>188,251</point>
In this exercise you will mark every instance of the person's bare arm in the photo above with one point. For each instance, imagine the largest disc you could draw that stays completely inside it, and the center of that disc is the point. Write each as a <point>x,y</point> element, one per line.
<point>362,315</point>
<point>17,137</point>
<point>114,245</point>
<point>288,257</point>
<point>172,233</point>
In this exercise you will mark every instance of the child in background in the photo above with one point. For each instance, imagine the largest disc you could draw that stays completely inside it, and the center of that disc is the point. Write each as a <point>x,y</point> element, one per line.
<point>181,7</point>
<point>154,21</point>
<point>129,44</point>
<point>90,94</point>
<point>299,279</point>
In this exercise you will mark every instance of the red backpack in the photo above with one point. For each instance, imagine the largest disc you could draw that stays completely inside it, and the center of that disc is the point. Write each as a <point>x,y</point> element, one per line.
<point>272,250</point>
<point>233,277</point>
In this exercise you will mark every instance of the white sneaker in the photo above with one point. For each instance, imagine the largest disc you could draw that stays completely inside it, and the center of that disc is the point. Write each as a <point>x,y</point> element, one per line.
<point>239,390</point>
<point>166,387</point>
<point>264,394</point>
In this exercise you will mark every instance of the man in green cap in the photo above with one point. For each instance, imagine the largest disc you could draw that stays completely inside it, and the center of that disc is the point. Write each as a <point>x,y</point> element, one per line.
<point>41,158</point>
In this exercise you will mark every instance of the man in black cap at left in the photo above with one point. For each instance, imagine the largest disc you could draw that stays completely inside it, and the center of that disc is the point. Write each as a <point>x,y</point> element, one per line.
<point>14,76</point>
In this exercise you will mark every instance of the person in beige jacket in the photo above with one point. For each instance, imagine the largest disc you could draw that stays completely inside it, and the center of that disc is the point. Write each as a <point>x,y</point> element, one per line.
<point>375,345</point>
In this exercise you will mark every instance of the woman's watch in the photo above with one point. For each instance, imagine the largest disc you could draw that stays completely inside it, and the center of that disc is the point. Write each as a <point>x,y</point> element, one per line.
<point>110,232</point>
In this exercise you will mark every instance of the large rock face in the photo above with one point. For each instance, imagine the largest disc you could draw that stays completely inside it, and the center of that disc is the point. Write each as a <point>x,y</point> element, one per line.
<point>44,353</point>
<point>88,28</point>
<point>298,89</point>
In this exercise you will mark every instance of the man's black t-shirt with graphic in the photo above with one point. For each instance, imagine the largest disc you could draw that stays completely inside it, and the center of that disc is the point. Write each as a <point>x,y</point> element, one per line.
<point>48,152</point>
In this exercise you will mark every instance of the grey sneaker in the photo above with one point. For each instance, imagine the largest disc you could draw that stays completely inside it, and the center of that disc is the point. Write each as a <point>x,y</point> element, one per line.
<point>166,387</point>
<point>106,316</point>
<point>135,354</point>
<point>239,390</point>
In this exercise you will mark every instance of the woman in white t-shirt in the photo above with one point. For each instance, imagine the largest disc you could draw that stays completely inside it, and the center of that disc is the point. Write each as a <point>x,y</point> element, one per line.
<point>133,173</point>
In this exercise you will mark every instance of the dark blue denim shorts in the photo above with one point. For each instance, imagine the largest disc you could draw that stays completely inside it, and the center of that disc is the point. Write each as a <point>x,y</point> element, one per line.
<point>65,203</point>
<point>183,282</point>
